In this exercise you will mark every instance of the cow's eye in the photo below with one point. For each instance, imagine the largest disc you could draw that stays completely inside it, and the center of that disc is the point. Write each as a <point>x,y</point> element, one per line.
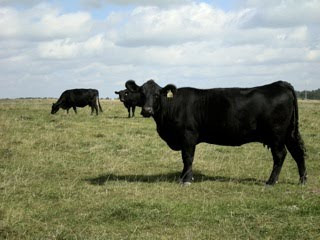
<point>126,93</point>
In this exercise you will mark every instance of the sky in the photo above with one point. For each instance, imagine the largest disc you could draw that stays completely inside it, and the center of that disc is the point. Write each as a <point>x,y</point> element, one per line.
<point>47,47</point>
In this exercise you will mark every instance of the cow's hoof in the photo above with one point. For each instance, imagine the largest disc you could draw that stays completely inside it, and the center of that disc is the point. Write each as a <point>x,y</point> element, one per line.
<point>271,182</point>
<point>268,186</point>
<point>182,182</point>
<point>303,180</point>
<point>185,184</point>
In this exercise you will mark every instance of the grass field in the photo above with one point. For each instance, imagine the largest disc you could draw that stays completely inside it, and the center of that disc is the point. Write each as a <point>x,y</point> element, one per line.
<point>109,177</point>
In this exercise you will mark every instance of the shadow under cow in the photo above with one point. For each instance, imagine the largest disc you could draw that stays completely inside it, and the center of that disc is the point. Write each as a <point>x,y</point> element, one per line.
<point>169,177</point>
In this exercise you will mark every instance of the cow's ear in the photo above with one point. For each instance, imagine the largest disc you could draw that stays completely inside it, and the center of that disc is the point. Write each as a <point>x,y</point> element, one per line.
<point>132,86</point>
<point>169,91</point>
<point>116,92</point>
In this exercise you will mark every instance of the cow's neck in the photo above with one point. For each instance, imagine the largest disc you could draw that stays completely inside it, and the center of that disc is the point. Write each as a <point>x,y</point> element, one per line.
<point>164,114</point>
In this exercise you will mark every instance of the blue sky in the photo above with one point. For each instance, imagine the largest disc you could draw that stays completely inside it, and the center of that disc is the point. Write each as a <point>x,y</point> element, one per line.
<point>49,46</point>
<point>105,9</point>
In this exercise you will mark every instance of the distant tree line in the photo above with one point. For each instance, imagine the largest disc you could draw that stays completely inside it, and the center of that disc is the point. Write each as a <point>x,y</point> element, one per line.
<point>314,94</point>
<point>106,98</point>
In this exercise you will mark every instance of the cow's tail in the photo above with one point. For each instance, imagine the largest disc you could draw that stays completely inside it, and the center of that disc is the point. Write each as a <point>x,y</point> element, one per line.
<point>100,108</point>
<point>294,142</point>
<point>295,121</point>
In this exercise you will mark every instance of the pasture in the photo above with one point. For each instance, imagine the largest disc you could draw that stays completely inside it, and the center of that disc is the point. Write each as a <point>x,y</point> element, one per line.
<point>109,177</point>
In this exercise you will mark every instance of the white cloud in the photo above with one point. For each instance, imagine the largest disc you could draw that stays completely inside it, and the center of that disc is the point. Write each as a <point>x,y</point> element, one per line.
<point>45,50</point>
<point>62,25</point>
<point>313,55</point>
<point>101,3</point>
<point>9,22</point>
<point>42,22</point>
<point>156,26</point>
<point>19,2</point>
<point>284,13</point>
<point>68,49</point>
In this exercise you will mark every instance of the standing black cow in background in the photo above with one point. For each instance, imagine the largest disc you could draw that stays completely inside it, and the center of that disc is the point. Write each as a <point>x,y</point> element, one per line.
<point>74,98</point>
<point>130,100</point>
<point>226,116</point>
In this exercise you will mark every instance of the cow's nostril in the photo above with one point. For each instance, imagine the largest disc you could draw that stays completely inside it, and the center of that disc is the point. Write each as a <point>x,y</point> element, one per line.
<point>148,109</point>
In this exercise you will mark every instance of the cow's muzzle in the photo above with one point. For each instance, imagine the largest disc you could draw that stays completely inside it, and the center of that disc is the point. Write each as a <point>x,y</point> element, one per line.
<point>147,112</point>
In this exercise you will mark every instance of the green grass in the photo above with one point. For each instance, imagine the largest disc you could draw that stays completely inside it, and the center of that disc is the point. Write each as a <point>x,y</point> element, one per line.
<point>109,177</point>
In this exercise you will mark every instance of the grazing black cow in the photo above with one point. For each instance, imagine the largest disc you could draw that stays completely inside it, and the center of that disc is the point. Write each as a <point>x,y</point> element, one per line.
<point>226,116</point>
<point>74,98</point>
<point>130,100</point>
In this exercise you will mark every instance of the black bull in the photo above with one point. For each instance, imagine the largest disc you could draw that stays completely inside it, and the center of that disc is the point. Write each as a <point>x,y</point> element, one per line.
<point>74,98</point>
<point>226,116</point>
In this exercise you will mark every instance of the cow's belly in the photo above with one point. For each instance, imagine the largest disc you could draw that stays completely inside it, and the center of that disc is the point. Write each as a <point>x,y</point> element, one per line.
<point>227,137</point>
<point>175,141</point>
<point>230,142</point>
<point>81,104</point>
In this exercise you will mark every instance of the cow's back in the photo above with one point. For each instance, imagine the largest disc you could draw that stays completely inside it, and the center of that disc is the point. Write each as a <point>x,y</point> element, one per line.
<point>82,97</point>
<point>77,97</point>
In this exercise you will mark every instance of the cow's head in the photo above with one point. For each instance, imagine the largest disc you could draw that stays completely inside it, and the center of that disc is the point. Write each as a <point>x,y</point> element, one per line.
<point>152,95</point>
<point>122,94</point>
<point>54,108</point>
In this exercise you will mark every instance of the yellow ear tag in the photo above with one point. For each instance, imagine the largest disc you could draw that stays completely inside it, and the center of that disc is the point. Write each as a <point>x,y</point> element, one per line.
<point>169,94</point>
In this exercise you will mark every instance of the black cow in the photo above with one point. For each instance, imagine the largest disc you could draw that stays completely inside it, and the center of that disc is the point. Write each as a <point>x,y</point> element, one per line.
<point>74,98</point>
<point>130,100</point>
<point>226,116</point>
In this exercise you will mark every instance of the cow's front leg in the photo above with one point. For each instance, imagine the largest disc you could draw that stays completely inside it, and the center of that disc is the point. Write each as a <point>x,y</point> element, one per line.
<point>133,109</point>
<point>75,110</point>
<point>128,108</point>
<point>187,157</point>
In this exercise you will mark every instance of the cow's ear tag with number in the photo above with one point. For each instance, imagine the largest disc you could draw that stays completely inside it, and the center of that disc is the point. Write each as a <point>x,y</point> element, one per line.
<point>169,94</point>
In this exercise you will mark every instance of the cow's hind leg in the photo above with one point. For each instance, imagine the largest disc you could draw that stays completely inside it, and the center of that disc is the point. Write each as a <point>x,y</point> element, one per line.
<point>187,157</point>
<point>297,151</point>
<point>278,153</point>
<point>96,107</point>
<point>75,110</point>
